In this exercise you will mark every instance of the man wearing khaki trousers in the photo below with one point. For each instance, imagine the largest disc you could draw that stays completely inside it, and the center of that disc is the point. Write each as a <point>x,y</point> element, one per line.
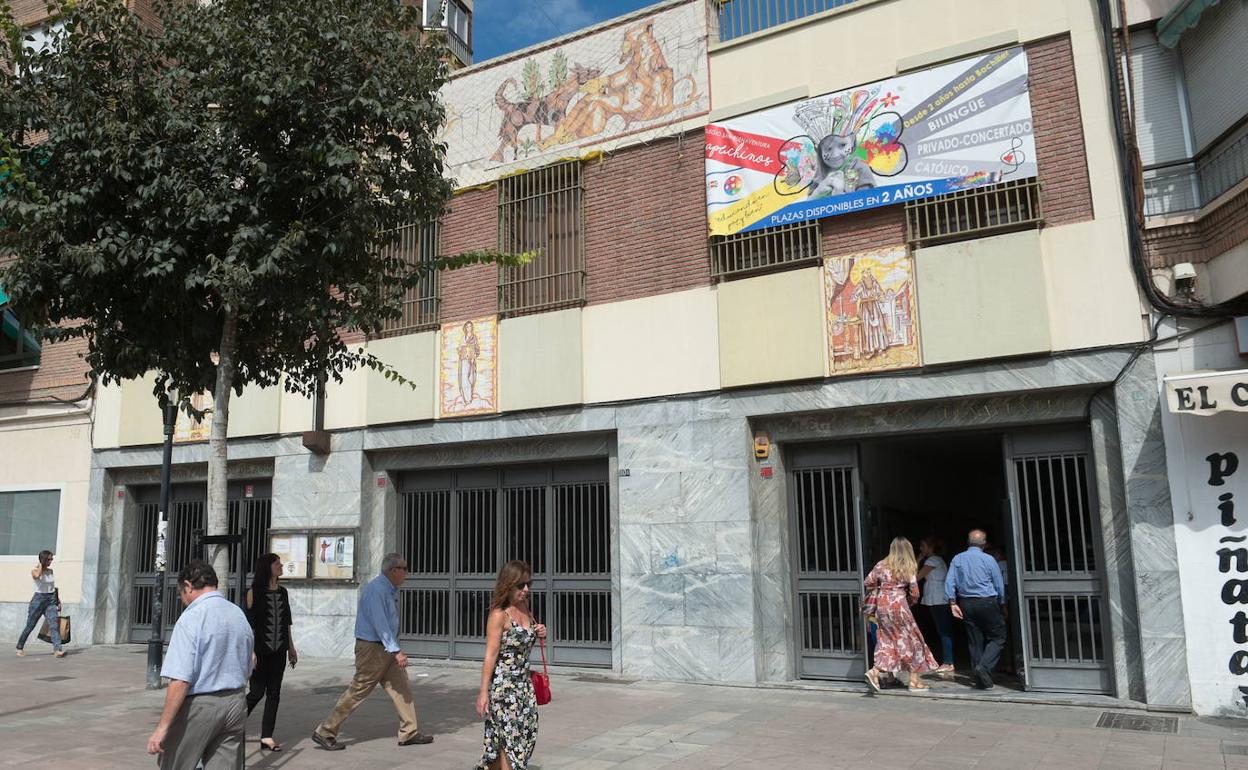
<point>378,659</point>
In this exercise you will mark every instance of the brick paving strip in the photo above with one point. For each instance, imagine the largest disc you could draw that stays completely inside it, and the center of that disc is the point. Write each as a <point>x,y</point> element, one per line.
<point>90,710</point>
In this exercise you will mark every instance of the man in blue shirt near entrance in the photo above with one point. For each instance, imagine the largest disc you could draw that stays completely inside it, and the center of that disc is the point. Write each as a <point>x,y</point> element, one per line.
<point>378,659</point>
<point>208,662</point>
<point>976,593</point>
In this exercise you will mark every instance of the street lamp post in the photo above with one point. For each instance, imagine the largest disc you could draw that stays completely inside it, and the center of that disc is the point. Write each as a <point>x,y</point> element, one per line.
<point>156,645</point>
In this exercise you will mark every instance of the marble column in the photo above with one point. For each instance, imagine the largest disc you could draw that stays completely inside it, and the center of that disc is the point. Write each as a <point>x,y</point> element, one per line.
<point>1163,655</point>
<point>312,491</point>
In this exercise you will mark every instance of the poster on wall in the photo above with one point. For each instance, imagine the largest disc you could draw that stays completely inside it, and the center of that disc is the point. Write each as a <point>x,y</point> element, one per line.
<point>1211,539</point>
<point>953,127</point>
<point>468,368</point>
<point>871,311</point>
<point>640,74</point>
<point>292,551</point>
<point>186,428</point>
<point>333,556</point>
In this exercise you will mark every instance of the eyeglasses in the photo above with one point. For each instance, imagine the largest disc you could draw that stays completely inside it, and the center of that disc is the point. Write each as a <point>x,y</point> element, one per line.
<point>525,584</point>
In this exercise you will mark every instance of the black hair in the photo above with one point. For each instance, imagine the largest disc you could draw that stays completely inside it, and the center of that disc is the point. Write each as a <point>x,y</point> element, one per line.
<point>199,574</point>
<point>263,573</point>
<point>45,556</point>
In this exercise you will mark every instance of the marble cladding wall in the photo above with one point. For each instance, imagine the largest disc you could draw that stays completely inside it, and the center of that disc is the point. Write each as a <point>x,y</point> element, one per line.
<point>686,572</point>
<point>1154,561</point>
<point>702,590</point>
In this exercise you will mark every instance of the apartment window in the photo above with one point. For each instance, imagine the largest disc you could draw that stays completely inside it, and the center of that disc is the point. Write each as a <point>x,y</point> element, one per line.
<point>18,346</point>
<point>974,213</point>
<point>542,212</point>
<point>760,250</point>
<point>415,244</point>
<point>29,521</point>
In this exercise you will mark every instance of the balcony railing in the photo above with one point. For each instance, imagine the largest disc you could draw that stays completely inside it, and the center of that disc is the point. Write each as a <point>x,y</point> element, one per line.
<point>1187,185</point>
<point>738,18</point>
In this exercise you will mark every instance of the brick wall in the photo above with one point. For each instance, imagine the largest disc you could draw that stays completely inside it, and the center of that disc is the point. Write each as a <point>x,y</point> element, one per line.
<point>61,374</point>
<point>645,214</point>
<point>1201,240</point>
<point>1058,125</point>
<point>472,223</point>
<point>27,12</point>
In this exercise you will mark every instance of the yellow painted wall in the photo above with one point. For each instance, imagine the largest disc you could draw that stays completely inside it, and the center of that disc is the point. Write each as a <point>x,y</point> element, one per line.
<point>1092,296</point>
<point>415,356</point>
<point>983,298</point>
<point>54,454</point>
<point>107,416</point>
<point>771,328</point>
<point>140,420</point>
<point>257,412</point>
<point>654,346</point>
<point>345,402</point>
<point>539,359</point>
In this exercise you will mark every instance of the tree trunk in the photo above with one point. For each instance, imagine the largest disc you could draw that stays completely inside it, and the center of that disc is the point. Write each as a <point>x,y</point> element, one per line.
<point>218,512</point>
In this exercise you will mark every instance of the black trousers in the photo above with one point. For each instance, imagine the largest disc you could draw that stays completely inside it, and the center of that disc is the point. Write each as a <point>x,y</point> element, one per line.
<point>266,682</point>
<point>985,631</point>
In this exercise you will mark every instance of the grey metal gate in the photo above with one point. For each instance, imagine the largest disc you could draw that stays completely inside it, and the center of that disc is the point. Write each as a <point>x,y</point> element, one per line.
<point>825,535</point>
<point>249,516</point>
<point>457,528</point>
<point>1058,544</point>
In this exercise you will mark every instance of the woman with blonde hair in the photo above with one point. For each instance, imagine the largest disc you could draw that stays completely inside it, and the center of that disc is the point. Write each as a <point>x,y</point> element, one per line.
<point>899,646</point>
<point>506,699</point>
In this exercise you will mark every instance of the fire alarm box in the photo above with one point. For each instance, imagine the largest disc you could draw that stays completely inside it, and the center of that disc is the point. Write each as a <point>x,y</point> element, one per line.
<point>762,446</point>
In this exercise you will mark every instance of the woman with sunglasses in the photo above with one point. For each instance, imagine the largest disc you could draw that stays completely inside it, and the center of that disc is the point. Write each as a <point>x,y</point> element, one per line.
<point>506,700</point>
<point>45,604</point>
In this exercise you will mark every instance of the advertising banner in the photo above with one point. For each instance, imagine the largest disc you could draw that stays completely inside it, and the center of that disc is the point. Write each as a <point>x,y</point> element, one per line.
<point>953,127</point>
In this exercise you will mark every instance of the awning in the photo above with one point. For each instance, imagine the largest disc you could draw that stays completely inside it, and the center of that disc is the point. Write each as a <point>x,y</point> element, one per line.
<point>1207,393</point>
<point>1184,16</point>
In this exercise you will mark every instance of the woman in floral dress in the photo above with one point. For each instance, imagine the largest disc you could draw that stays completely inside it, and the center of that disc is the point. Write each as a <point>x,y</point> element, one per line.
<point>506,700</point>
<point>899,646</point>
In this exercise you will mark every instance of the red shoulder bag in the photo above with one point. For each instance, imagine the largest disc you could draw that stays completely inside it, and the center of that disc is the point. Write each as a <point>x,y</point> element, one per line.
<point>541,681</point>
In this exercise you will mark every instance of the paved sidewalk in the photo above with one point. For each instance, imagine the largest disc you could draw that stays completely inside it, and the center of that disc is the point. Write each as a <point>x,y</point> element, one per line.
<point>90,710</point>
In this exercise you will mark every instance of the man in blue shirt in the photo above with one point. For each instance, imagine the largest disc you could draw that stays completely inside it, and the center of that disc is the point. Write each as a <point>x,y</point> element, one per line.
<point>976,593</point>
<point>208,662</point>
<point>378,659</point>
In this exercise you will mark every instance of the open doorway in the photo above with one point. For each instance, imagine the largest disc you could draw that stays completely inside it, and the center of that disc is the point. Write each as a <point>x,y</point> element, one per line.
<point>940,485</point>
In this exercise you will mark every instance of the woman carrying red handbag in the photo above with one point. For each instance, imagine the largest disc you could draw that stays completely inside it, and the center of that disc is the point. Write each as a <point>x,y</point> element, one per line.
<point>510,692</point>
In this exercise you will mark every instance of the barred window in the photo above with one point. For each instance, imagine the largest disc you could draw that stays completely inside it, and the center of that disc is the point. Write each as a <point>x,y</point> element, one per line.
<point>974,213</point>
<point>414,244</point>
<point>760,250</point>
<point>542,211</point>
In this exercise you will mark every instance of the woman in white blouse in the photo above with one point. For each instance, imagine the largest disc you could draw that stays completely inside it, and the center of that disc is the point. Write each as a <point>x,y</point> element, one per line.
<point>45,603</point>
<point>933,572</point>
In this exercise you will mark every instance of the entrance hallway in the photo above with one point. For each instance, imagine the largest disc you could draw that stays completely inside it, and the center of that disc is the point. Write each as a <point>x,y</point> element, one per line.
<point>101,717</point>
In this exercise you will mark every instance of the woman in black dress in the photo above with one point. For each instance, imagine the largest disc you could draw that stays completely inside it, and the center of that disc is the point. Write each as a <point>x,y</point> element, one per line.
<point>268,609</point>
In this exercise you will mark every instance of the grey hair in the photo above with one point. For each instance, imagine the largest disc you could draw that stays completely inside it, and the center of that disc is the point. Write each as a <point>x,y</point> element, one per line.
<point>391,560</point>
<point>977,537</point>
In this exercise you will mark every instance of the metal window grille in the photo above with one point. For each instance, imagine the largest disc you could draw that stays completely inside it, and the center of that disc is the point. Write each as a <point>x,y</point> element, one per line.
<point>738,18</point>
<point>974,213</point>
<point>455,537</point>
<point>830,622</point>
<point>1058,531</point>
<point>827,537</point>
<point>542,212</point>
<point>1066,628</point>
<point>415,244</point>
<point>761,250</point>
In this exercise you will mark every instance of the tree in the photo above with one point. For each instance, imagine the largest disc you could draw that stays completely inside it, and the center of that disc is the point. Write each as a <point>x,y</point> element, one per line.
<point>205,196</point>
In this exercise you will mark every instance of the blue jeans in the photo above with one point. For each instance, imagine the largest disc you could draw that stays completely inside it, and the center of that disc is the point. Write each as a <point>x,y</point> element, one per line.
<point>942,618</point>
<point>42,605</point>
